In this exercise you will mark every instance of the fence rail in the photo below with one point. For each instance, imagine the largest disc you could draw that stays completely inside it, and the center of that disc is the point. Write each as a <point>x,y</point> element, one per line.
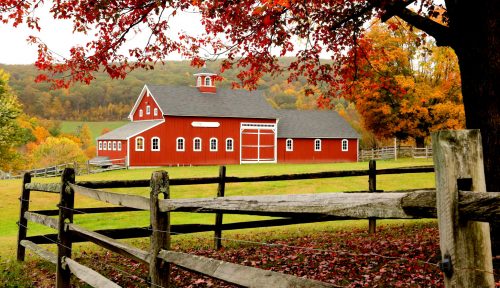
<point>87,167</point>
<point>470,206</point>
<point>391,152</point>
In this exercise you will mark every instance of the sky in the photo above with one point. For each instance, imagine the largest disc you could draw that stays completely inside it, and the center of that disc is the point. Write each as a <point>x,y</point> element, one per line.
<point>57,34</point>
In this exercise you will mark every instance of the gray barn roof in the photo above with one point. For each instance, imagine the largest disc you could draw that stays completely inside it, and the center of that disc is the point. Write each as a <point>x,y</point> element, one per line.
<point>128,130</point>
<point>188,101</point>
<point>313,124</point>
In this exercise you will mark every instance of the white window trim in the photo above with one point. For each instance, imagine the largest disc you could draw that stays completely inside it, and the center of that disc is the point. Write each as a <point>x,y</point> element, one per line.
<point>119,145</point>
<point>114,145</point>
<point>346,145</point>
<point>148,110</point>
<point>100,145</point>
<point>316,148</point>
<point>216,144</point>
<point>177,144</point>
<point>136,142</point>
<point>198,81</point>
<point>104,145</point>
<point>232,144</point>
<point>286,145</point>
<point>109,146</point>
<point>152,141</point>
<point>194,145</point>
<point>155,112</point>
<point>141,113</point>
<point>208,81</point>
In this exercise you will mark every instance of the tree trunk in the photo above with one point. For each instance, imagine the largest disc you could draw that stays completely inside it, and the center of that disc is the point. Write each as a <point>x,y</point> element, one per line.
<point>476,41</point>
<point>420,142</point>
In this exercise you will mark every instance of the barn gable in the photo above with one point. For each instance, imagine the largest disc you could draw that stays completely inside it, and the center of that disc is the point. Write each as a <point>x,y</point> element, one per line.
<point>144,97</point>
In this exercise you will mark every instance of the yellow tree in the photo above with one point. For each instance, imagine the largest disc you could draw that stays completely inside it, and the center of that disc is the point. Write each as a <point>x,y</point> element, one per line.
<point>54,151</point>
<point>400,86</point>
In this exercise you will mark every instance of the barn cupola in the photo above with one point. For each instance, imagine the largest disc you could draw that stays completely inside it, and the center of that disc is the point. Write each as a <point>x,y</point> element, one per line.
<point>205,80</point>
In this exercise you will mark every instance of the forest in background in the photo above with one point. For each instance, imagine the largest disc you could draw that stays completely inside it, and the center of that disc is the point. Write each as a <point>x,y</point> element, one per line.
<point>109,100</point>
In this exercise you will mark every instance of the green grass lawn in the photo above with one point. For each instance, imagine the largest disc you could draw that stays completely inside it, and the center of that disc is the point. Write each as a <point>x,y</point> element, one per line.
<point>95,127</point>
<point>10,190</point>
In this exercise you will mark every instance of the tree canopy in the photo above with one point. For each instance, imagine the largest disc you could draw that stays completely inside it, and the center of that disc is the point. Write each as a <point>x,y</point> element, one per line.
<point>402,87</point>
<point>11,135</point>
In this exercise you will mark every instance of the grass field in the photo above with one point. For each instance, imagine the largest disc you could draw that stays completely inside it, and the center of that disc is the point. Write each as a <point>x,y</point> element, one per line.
<point>95,127</point>
<point>9,189</point>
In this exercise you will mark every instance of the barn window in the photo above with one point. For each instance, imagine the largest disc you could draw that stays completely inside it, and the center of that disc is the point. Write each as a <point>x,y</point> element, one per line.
<point>213,144</point>
<point>198,83</point>
<point>197,144</point>
<point>208,81</point>
<point>155,111</point>
<point>119,146</point>
<point>229,145</point>
<point>100,145</point>
<point>155,144</point>
<point>140,113</point>
<point>148,110</point>
<point>289,144</point>
<point>180,144</point>
<point>114,145</point>
<point>104,145</point>
<point>109,145</point>
<point>317,144</point>
<point>139,144</point>
<point>345,145</point>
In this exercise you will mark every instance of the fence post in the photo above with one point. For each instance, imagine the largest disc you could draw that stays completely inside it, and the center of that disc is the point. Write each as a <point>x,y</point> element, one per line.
<point>23,223</point>
<point>372,187</point>
<point>64,241</point>
<point>465,245</point>
<point>159,271</point>
<point>218,216</point>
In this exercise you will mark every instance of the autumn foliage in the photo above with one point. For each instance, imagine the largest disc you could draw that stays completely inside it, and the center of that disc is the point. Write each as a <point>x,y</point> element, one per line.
<point>401,83</point>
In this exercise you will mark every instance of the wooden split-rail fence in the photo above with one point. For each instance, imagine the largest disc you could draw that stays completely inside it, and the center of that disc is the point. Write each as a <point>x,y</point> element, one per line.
<point>460,202</point>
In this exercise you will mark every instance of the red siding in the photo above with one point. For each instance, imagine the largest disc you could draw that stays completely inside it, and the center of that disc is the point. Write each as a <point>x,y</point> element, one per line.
<point>177,126</point>
<point>303,151</point>
<point>113,154</point>
<point>144,102</point>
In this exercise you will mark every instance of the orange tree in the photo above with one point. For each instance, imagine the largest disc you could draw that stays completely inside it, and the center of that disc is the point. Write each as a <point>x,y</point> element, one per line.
<point>252,33</point>
<point>403,86</point>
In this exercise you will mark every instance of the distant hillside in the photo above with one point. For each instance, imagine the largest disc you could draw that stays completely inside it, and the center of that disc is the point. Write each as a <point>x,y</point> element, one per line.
<point>106,99</point>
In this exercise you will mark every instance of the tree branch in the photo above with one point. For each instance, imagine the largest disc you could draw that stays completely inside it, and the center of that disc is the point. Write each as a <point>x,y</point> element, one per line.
<point>440,32</point>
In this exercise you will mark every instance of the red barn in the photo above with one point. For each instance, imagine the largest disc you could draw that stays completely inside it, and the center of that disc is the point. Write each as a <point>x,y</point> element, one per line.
<point>203,125</point>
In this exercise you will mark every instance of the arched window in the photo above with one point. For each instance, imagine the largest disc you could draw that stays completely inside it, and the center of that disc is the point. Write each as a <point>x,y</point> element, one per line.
<point>104,145</point>
<point>180,144</point>
<point>289,144</point>
<point>345,145</point>
<point>155,111</point>
<point>198,82</point>
<point>148,110</point>
<point>197,144</point>
<point>317,144</point>
<point>139,144</point>
<point>140,113</point>
<point>155,144</point>
<point>208,81</point>
<point>100,145</point>
<point>213,144</point>
<point>229,145</point>
<point>109,145</point>
<point>114,145</point>
<point>119,146</point>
